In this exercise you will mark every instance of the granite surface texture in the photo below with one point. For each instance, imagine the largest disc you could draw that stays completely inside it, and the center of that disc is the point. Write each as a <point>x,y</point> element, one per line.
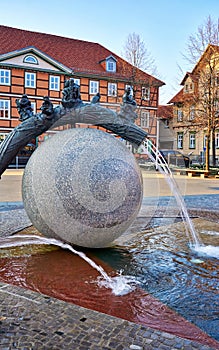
<point>83,186</point>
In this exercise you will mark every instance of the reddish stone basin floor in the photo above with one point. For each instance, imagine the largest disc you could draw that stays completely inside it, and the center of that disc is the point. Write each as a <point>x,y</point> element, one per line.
<point>65,276</point>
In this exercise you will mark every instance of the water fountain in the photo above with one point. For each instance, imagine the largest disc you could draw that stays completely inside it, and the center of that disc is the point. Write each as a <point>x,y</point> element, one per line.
<point>169,263</point>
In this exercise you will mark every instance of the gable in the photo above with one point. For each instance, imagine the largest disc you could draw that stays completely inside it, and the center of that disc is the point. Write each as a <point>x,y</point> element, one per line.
<point>40,61</point>
<point>82,57</point>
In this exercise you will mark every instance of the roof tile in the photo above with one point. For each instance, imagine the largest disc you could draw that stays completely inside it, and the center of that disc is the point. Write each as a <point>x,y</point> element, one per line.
<point>80,56</point>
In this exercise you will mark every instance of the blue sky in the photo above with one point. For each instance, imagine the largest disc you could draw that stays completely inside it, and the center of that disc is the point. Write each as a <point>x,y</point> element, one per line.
<point>164,25</point>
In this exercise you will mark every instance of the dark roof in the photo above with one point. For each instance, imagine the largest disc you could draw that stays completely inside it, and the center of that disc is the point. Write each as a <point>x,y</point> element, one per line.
<point>165,112</point>
<point>193,76</point>
<point>177,98</point>
<point>79,55</point>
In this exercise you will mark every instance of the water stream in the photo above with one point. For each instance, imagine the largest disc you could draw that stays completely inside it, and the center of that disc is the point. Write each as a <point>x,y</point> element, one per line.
<point>195,241</point>
<point>121,285</point>
<point>157,158</point>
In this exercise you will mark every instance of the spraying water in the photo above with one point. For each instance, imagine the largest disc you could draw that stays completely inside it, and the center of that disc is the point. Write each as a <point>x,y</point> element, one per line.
<point>120,285</point>
<point>163,167</point>
<point>194,238</point>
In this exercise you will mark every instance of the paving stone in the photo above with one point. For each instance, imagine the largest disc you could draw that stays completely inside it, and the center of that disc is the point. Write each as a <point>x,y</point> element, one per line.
<point>33,321</point>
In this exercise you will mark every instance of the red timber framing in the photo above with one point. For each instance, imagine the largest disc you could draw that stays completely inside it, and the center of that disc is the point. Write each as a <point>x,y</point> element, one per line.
<point>37,64</point>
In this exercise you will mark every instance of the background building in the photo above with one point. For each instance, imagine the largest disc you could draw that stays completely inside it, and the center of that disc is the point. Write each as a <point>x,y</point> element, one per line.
<point>165,138</point>
<point>196,110</point>
<point>38,64</point>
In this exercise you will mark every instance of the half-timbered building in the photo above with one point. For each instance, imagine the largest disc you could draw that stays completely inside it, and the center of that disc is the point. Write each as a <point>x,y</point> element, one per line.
<point>38,64</point>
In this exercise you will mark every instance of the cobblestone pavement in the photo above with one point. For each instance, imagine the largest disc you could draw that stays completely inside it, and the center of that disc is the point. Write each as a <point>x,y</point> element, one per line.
<point>31,320</point>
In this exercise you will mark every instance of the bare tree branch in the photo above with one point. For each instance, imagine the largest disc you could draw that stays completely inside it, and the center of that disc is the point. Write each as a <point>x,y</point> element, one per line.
<point>203,53</point>
<point>207,33</point>
<point>136,53</point>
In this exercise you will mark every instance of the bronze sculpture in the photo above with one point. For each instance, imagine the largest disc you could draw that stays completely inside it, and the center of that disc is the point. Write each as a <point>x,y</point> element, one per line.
<point>72,109</point>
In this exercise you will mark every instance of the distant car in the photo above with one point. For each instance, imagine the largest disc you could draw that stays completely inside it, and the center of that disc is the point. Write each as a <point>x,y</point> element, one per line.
<point>176,158</point>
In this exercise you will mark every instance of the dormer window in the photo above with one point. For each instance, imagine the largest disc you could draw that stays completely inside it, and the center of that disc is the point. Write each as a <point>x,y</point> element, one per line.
<point>30,59</point>
<point>111,64</point>
<point>189,87</point>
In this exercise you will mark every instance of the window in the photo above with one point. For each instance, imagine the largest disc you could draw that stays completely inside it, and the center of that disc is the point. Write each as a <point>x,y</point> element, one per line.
<point>217,140</point>
<point>132,89</point>
<point>2,137</point>
<point>5,109</point>
<point>180,140</point>
<point>77,81</point>
<point>192,113</point>
<point>54,83</point>
<point>166,123</point>
<point>30,80</point>
<point>94,87</point>
<point>33,105</point>
<point>129,146</point>
<point>179,115</point>
<point>204,142</point>
<point>111,65</point>
<point>30,59</point>
<point>192,140</point>
<point>145,119</point>
<point>189,87</point>
<point>5,77</point>
<point>112,89</point>
<point>145,93</point>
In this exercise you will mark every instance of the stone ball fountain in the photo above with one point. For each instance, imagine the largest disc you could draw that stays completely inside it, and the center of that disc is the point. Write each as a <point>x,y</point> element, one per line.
<point>82,186</point>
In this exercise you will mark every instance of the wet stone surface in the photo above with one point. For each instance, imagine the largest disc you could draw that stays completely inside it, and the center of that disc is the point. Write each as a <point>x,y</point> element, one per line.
<point>29,320</point>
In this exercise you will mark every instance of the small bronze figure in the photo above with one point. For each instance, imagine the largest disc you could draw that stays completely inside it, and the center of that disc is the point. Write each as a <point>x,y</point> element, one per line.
<point>33,125</point>
<point>71,94</point>
<point>24,108</point>
<point>47,107</point>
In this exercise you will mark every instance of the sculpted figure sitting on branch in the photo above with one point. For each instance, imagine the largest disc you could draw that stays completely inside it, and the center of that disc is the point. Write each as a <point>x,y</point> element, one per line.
<point>72,110</point>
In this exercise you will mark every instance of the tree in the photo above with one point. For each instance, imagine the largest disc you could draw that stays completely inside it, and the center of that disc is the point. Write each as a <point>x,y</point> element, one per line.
<point>207,33</point>
<point>136,53</point>
<point>203,51</point>
<point>138,67</point>
<point>140,60</point>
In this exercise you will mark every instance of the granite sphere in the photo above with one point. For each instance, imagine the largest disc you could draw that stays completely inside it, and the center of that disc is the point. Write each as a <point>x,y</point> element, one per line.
<point>82,186</point>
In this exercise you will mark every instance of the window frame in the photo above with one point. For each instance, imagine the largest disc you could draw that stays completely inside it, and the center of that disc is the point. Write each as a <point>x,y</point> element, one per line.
<point>192,140</point>
<point>3,136</point>
<point>33,60</point>
<point>217,139</point>
<point>4,109</point>
<point>26,84</point>
<point>111,65</point>
<point>77,81</point>
<point>33,105</point>
<point>4,77</point>
<point>204,141</point>
<point>180,140</point>
<point>145,119</point>
<point>192,113</point>
<point>54,85</point>
<point>112,87</point>
<point>93,90</point>
<point>179,115</point>
<point>145,93</point>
